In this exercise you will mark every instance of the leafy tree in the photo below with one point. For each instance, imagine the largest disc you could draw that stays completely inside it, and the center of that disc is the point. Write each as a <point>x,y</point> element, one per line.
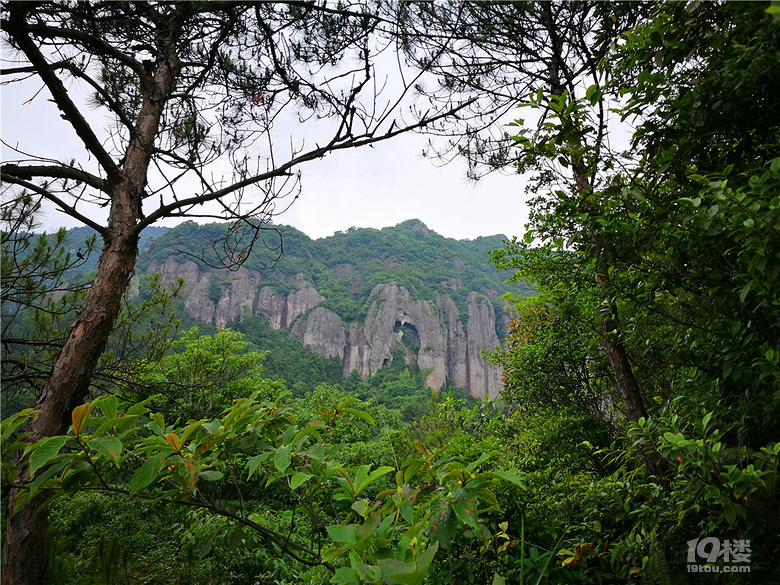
<point>206,376</point>
<point>373,536</point>
<point>686,221</point>
<point>545,56</point>
<point>182,85</point>
<point>37,299</point>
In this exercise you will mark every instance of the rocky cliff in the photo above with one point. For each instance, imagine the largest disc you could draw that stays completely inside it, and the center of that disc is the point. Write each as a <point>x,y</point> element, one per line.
<point>446,343</point>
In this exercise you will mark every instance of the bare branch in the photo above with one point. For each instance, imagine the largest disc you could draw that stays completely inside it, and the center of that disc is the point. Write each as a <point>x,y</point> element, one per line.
<point>16,26</point>
<point>68,209</point>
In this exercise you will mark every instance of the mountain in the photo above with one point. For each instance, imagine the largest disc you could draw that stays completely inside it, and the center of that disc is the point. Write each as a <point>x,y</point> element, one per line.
<point>364,296</point>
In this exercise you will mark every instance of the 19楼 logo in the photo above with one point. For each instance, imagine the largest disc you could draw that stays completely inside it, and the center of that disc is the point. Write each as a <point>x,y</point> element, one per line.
<point>710,555</point>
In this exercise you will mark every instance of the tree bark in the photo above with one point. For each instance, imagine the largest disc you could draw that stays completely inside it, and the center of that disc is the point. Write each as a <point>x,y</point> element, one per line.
<point>24,561</point>
<point>625,382</point>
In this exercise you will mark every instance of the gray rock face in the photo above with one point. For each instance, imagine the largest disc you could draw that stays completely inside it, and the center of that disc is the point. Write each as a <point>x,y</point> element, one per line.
<point>446,350</point>
<point>445,344</point>
<point>481,335</point>
<point>323,331</point>
<point>237,299</point>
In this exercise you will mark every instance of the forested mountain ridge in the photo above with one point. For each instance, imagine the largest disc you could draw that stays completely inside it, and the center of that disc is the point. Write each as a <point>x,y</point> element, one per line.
<point>361,295</point>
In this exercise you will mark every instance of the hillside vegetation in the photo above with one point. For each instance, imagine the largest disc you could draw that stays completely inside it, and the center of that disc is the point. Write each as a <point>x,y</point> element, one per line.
<point>636,438</point>
<point>346,266</point>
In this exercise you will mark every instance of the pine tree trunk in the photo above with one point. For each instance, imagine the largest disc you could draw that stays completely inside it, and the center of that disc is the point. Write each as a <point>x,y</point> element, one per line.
<point>24,561</point>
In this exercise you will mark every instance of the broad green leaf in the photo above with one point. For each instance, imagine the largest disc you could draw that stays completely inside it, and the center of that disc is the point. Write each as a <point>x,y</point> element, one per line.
<point>443,524</point>
<point>212,427</point>
<point>108,406</point>
<point>511,476</point>
<point>13,422</point>
<point>360,507</point>
<point>139,409</point>
<point>343,533</point>
<point>474,464</point>
<point>373,476</point>
<point>394,568</point>
<point>360,476</point>
<point>360,414</point>
<point>745,290</point>
<point>48,474</point>
<point>465,505</point>
<point>298,478</point>
<point>254,463</point>
<point>147,473</point>
<point>78,417</point>
<point>345,576</point>
<point>282,458</point>
<point>117,424</point>
<point>426,558</point>
<point>110,447</point>
<point>190,430</point>
<point>45,450</point>
<point>159,421</point>
<point>369,526</point>
<point>301,435</point>
<point>706,420</point>
<point>730,513</point>
<point>210,475</point>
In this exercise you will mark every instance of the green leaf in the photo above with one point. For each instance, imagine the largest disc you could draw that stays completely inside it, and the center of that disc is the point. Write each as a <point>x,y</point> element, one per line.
<point>426,558</point>
<point>360,414</point>
<point>474,464</point>
<point>511,476</point>
<point>443,525</point>
<point>109,447</point>
<point>360,507</point>
<point>108,406</point>
<point>369,526</point>
<point>345,576</point>
<point>210,475</point>
<point>593,94</point>
<point>745,290</point>
<point>147,473</point>
<point>282,458</point>
<point>298,478</point>
<point>730,513</point>
<point>343,533</point>
<point>465,506</point>
<point>394,569</point>
<point>159,421</point>
<point>190,430</point>
<point>13,422</point>
<point>45,450</point>
<point>706,420</point>
<point>498,580</point>
<point>377,473</point>
<point>138,409</point>
<point>254,463</point>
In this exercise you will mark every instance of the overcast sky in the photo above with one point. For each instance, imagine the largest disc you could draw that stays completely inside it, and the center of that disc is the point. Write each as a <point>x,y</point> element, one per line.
<point>368,187</point>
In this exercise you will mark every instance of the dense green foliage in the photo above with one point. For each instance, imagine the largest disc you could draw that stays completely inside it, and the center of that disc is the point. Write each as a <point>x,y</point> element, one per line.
<point>684,237</point>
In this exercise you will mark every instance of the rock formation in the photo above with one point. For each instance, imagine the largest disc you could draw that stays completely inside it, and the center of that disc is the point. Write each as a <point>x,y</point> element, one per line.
<point>445,343</point>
